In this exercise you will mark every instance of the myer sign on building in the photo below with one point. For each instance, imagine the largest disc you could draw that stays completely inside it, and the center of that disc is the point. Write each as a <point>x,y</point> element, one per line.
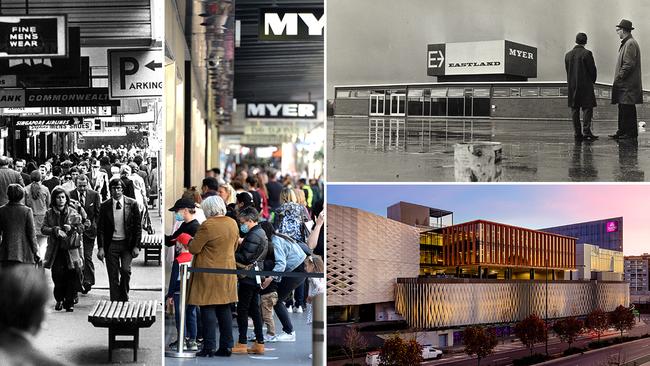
<point>482,58</point>
<point>289,110</point>
<point>291,24</point>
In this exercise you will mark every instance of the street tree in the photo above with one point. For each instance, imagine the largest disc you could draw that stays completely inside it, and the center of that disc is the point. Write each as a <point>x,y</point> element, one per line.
<point>353,342</point>
<point>568,329</point>
<point>530,331</point>
<point>397,352</point>
<point>597,322</point>
<point>622,319</point>
<point>479,341</point>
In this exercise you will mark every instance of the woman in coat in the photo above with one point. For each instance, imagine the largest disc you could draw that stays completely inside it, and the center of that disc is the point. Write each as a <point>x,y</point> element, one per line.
<point>214,246</point>
<point>17,230</point>
<point>64,226</point>
<point>37,197</point>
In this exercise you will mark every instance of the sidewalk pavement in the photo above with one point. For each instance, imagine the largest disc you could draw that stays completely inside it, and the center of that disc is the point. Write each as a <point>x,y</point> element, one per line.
<point>280,353</point>
<point>70,338</point>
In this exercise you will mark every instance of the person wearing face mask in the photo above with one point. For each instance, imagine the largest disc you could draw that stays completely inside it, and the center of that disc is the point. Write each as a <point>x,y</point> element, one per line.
<point>250,255</point>
<point>184,211</point>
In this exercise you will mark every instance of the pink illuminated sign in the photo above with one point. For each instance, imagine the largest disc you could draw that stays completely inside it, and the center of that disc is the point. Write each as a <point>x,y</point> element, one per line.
<point>612,226</point>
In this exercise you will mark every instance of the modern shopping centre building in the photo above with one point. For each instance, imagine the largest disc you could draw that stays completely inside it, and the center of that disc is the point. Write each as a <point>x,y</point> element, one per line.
<point>474,79</point>
<point>417,265</point>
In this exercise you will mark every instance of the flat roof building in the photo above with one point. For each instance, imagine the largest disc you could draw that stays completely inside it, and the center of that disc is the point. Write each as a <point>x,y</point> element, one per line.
<point>605,233</point>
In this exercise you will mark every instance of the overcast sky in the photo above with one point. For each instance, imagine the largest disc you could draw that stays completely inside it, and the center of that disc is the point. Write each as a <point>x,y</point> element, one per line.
<point>531,206</point>
<point>385,41</point>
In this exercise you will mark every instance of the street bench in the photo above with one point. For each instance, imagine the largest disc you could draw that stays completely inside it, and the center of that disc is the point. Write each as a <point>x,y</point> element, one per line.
<point>152,245</point>
<point>123,319</point>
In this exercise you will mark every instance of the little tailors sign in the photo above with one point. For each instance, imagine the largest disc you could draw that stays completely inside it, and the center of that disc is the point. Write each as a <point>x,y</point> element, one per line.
<point>32,36</point>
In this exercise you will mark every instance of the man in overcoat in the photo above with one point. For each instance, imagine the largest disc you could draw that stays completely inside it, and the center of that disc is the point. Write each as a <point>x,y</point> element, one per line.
<point>90,201</point>
<point>581,76</point>
<point>626,89</point>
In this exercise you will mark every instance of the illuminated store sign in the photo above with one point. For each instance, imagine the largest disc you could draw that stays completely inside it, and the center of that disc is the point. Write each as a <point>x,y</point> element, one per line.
<point>612,226</point>
<point>281,110</point>
<point>291,24</point>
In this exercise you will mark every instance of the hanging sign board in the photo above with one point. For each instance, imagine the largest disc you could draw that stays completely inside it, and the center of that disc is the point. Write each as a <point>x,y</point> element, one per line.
<point>53,124</point>
<point>65,97</point>
<point>33,36</point>
<point>135,73</point>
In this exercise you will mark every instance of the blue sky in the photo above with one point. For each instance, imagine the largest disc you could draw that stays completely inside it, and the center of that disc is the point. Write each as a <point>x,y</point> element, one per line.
<point>531,206</point>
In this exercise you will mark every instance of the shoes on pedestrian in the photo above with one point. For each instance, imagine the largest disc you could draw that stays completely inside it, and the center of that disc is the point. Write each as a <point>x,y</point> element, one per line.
<point>298,310</point>
<point>75,300</point>
<point>591,137</point>
<point>284,337</point>
<point>192,345</point>
<point>85,288</point>
<point>268,337</point>
<point>70,308</point>
<point>173,346</point>
<point>240,348</point>
<point>625,137</point>
<point>290,309</point>
<point>206,353</point>
<point>258,348</point>
<point>222,352</point>
<point>58,306</point>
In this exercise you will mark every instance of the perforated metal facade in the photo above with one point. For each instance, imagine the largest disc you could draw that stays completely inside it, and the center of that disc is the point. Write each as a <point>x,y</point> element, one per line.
<point>441,303</point>
<point>365,253</point>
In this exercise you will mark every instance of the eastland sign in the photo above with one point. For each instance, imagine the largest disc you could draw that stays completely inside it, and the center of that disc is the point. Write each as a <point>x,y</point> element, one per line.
<point>480,58</point>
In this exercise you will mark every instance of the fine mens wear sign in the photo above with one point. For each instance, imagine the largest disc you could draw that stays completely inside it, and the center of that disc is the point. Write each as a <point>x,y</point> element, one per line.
<point>33,36</point>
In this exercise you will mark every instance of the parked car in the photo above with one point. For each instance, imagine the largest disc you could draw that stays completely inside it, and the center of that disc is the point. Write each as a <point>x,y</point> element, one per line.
<point>428,353</point>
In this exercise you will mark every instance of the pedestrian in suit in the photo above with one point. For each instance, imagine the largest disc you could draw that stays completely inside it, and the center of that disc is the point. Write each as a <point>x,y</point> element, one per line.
<point>627,89</point>
<point>119,231</point>
<point>581,76</point>
<point>89,200</point>
<point>7,177</point>
<point>18,244</point>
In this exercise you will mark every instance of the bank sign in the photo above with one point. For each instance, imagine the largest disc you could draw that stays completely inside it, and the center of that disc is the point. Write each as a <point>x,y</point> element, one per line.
<point>482,58</point>
<point>32,36</point>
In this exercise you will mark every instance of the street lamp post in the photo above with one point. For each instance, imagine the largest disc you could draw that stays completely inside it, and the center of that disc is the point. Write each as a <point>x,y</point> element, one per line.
<point>546,309</point>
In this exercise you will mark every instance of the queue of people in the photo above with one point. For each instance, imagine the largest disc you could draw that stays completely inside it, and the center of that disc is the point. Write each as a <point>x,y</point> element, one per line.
<point>252,222</point>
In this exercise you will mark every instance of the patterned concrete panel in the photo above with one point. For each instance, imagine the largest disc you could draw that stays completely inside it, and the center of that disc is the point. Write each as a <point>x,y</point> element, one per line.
<point>435,303</point>
<point>365,253</point>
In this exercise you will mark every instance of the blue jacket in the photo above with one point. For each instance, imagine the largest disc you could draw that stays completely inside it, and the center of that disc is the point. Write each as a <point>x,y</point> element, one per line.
<point>288,255</point>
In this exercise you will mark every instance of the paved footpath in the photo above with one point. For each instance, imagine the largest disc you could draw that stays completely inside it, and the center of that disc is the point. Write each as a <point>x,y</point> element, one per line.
<point>70,338</point>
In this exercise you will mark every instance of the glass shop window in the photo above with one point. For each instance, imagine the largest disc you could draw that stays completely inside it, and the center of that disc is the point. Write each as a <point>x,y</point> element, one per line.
<point>529,92</point>
<point>501,92</point>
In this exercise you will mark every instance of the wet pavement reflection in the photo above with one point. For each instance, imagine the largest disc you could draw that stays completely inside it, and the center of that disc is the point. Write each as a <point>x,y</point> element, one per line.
<point>412,149</point>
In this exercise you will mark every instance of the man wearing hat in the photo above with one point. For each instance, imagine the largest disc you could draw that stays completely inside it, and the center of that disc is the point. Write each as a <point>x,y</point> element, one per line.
<point>119,232</point>
<point>184,210</point>
<point>626,89</point>
<point>581,76</point>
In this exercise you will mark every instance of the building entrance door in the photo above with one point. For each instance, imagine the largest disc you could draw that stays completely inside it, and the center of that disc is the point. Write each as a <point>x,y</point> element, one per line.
<point>397,104</point>
<point>376,105</point>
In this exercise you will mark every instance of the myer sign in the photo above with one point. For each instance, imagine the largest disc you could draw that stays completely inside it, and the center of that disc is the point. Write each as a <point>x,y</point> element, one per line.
<point>289,110</point>
<point>291,24</point>
<point>482,58</point>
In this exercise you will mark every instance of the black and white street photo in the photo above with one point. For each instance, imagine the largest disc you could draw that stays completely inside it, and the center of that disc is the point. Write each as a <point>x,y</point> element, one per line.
<point>80,182</point>
<point>513,91</point>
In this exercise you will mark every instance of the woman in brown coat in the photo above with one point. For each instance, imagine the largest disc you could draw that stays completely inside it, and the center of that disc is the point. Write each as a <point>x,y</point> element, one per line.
<point>214,247</point>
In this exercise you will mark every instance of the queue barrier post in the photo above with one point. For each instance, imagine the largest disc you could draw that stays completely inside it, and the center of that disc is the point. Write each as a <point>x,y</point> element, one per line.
<point>180,350</point>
